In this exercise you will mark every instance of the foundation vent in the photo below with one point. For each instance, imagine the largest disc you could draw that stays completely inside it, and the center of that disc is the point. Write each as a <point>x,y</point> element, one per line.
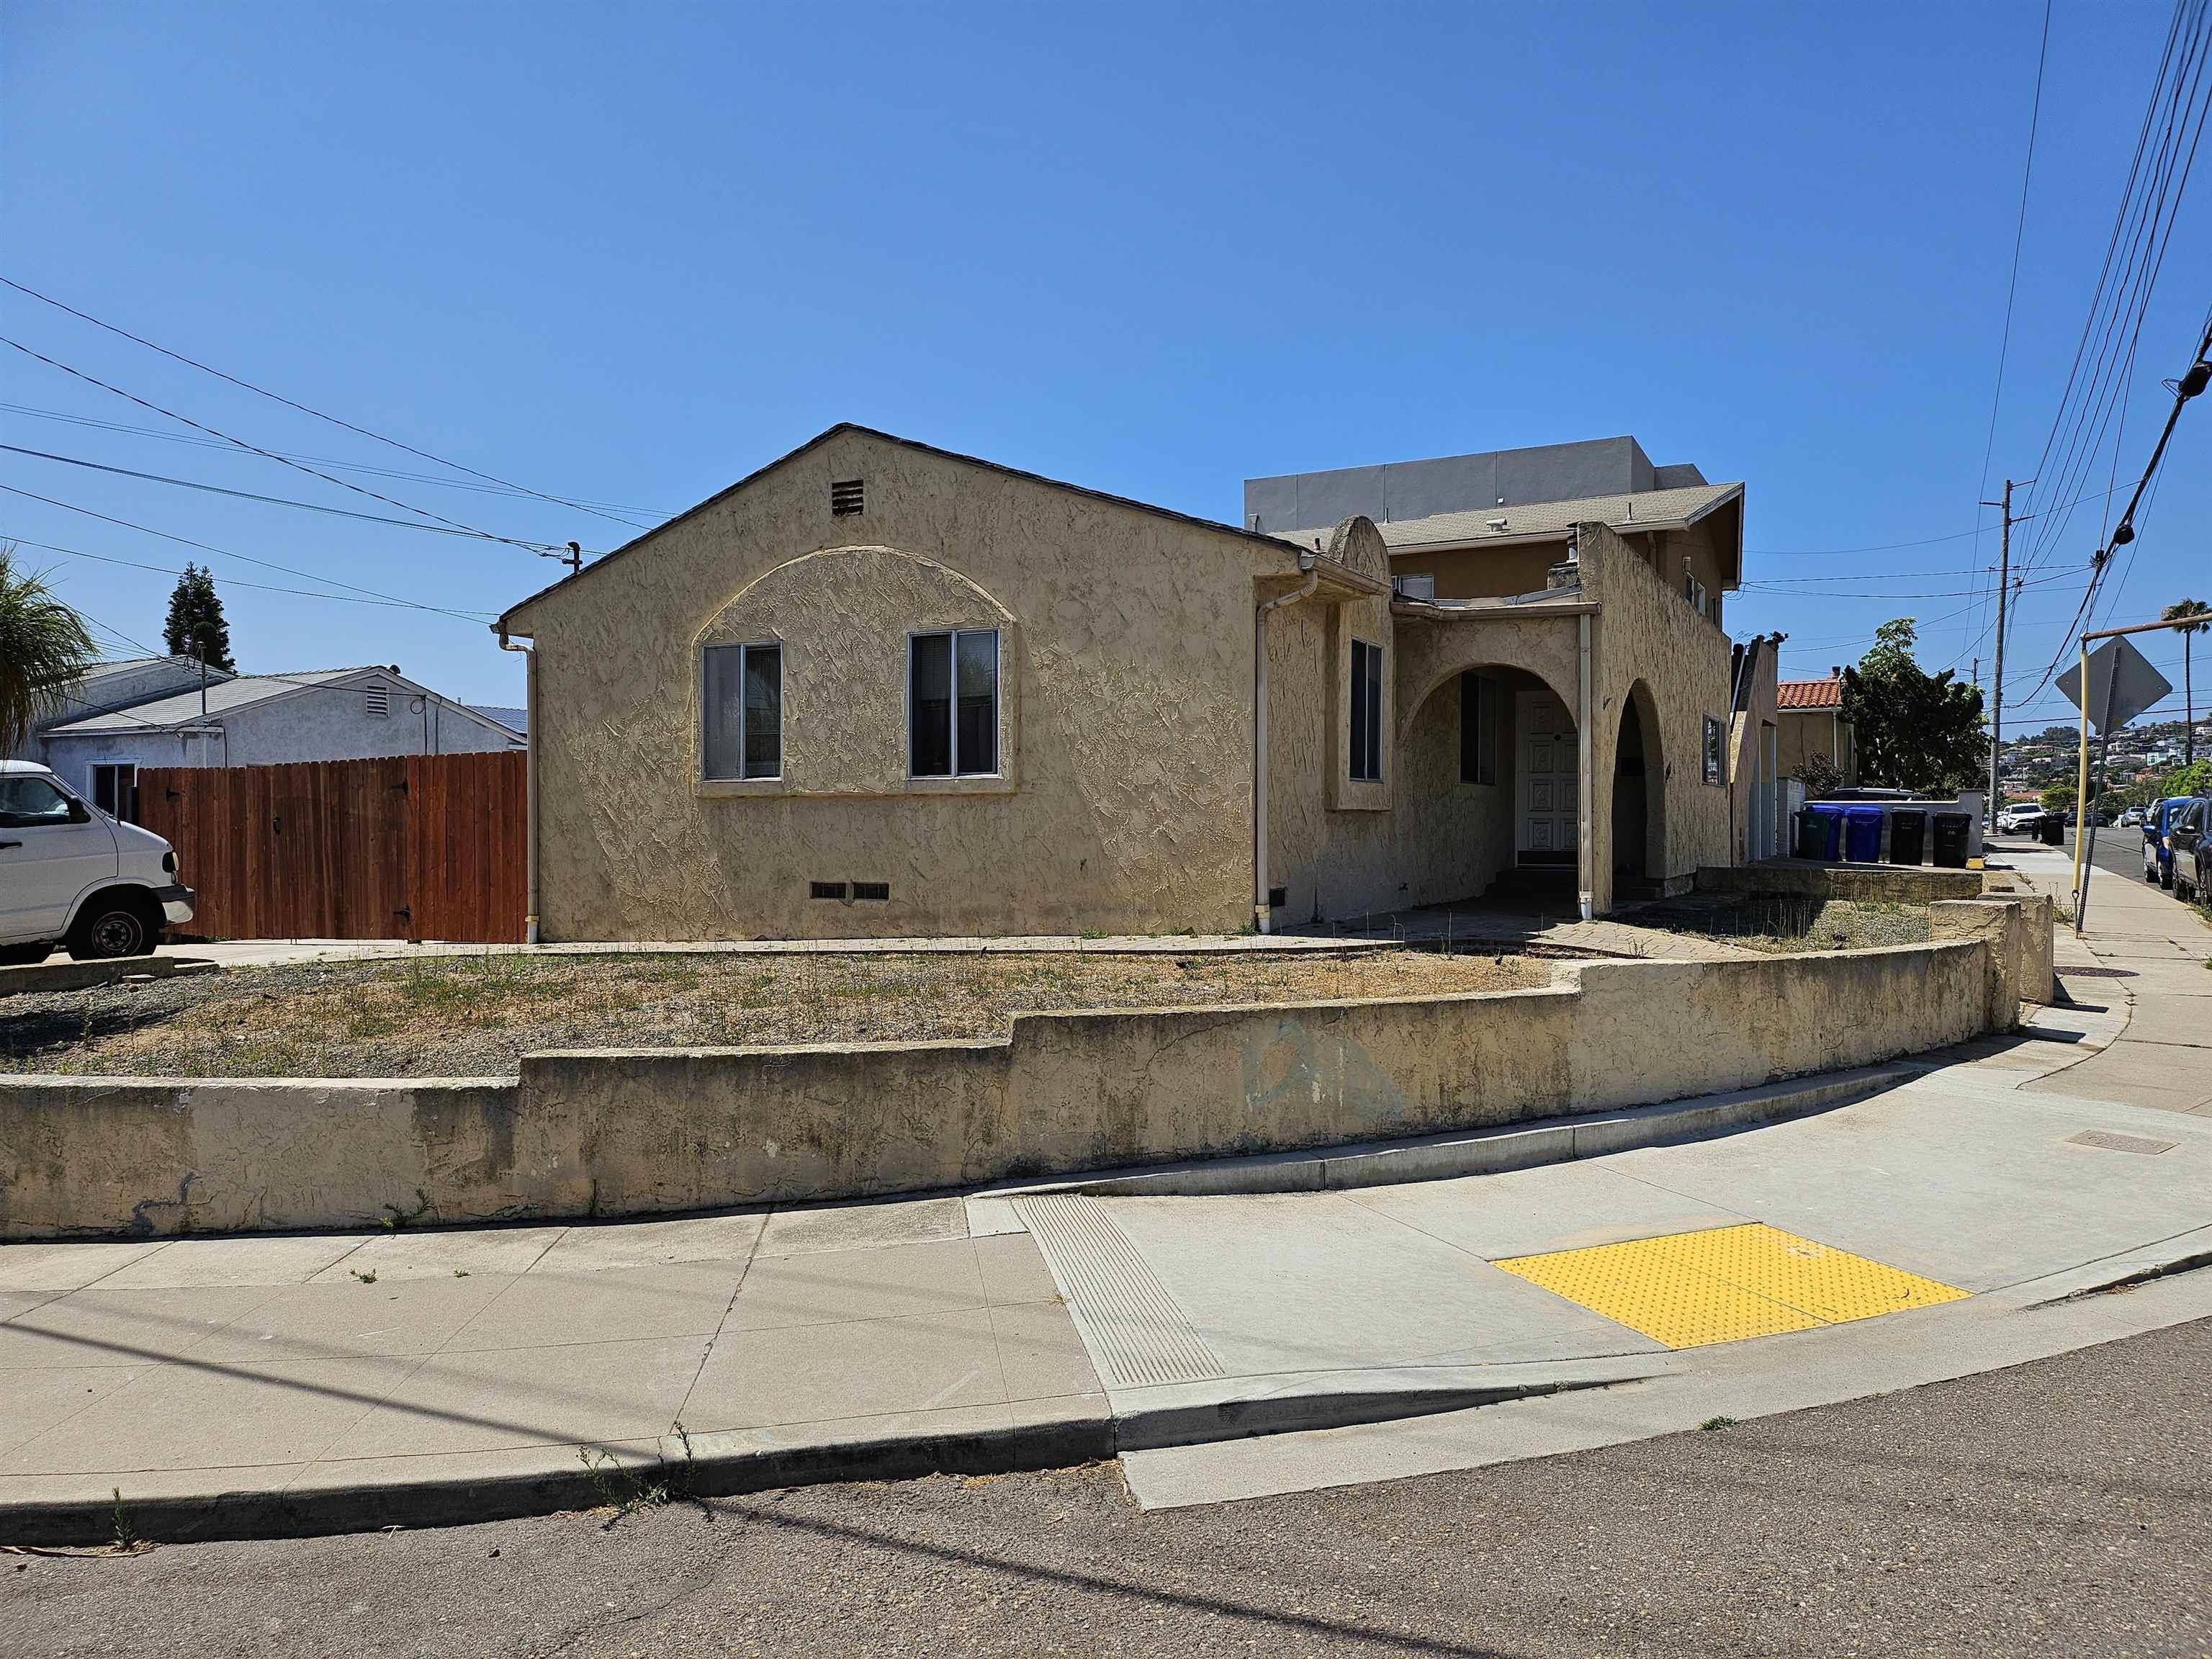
<point>1278,897</point>
<point>827,889</point>
<point>877,891</point>
<point>848,498</point>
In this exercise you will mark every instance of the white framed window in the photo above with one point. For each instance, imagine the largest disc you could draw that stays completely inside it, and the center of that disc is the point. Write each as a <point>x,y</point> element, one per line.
<point>1366,745</point>
<point>953,703</point>
<point>1716,743</point>
<point>115,789</point>
<point>1416,585</point>
<point>1478,728</point>
<point>741,721</point>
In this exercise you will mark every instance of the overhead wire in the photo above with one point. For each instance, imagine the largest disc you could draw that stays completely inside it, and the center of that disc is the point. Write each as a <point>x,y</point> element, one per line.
<point>297,466</point>
<point>306,408</point>
<point>403,474</point>
<point>246,558</point>
<point>241,495</point>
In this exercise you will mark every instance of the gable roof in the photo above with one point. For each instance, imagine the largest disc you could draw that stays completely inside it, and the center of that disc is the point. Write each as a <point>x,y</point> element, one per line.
<point>223,697</point>
<point>844,427</point>
<point>1809,694</point>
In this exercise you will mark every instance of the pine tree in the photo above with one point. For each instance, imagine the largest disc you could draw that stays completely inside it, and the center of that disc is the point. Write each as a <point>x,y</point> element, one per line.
<point>195,627</point>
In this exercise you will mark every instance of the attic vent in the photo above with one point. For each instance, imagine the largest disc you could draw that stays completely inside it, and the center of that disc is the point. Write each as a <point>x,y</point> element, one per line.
<point>846,498</point>
<point>376,702</point>
<point>878,891</point>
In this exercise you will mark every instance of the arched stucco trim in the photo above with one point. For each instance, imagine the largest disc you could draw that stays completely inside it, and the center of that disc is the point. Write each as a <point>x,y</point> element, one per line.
<point>938,566</point>
<point>1479,664</point>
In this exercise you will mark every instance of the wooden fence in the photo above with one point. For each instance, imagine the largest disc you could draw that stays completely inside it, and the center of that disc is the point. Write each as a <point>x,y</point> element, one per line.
<point>415,846</point>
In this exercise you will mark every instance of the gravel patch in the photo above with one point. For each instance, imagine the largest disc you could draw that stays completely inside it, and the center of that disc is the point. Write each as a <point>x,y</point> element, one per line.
<point>458,1016</point>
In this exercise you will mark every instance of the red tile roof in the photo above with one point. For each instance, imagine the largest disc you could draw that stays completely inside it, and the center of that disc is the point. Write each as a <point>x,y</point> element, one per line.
<point>1809,694</point>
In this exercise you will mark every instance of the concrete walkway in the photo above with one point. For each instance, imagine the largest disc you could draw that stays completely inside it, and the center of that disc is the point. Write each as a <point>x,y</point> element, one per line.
<point>309,1381</point>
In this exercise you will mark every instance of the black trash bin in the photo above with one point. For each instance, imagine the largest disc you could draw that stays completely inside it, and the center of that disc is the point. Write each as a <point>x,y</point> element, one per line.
<point>1908,836</point>
<point>2051,829</point>
<point>1951,830</point>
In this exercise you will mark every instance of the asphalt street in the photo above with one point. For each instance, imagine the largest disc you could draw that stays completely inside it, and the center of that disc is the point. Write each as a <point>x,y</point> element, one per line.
<point>2063,1507</point>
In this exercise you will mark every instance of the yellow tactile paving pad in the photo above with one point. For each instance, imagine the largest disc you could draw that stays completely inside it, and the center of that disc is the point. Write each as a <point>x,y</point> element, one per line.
<point>1725,1284</point>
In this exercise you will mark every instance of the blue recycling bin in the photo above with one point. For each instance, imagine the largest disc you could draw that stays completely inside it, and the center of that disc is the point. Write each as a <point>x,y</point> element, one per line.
<point>1820,829</point>
<point>1863,834</point>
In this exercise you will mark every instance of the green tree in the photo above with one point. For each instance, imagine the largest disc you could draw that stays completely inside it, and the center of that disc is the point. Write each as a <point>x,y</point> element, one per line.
<point>195,627</point>
<point>44,646</point>
<point>2181,610</point>
<point>2057,798</point>
<point>1819,776</point>
<point>1914,730</point>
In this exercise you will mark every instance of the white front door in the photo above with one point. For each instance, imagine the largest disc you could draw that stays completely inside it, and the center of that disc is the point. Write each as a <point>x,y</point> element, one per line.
<point>1544,791</point>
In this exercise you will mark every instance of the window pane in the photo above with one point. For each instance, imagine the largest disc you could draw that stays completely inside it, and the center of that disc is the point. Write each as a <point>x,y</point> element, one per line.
<point>723,716</point>
<point>763,711</point>
<point>1358,746</point>
<point>978,667</point>
<point>29,799</point>
<point>1374,711</point>
<point>929,704</point>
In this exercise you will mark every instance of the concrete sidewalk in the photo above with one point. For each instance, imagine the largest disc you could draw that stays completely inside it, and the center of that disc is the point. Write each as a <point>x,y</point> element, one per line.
<point>306,1383</point>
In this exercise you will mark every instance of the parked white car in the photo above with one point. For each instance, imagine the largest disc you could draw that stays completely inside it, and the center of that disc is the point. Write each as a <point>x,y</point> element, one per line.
<point>2014,819</point>
<point>71,875</point>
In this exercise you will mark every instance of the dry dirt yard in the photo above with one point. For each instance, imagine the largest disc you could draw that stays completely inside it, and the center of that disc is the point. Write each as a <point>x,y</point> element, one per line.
<point>451,1016</point>
<point>1777,924</point>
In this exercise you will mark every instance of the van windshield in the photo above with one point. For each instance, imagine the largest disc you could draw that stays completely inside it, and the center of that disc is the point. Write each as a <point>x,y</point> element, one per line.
<point>28,801</point>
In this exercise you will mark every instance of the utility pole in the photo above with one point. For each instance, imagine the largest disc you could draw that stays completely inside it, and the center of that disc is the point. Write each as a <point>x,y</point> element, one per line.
<point>1996,674</point>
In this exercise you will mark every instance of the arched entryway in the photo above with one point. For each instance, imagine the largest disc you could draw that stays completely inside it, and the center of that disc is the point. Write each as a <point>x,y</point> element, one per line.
<point>1639,798</point>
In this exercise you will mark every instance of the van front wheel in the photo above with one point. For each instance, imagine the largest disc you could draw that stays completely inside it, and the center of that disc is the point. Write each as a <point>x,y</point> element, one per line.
<point>113,925</point>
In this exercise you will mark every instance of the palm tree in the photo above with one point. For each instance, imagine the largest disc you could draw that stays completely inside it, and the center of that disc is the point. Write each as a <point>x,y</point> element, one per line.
<point>44,646</point>
<point>2181,611</point>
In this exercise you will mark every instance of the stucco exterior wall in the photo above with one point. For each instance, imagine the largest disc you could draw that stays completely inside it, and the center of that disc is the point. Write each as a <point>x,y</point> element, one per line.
<point>1127,713</point>
<point>1650,640</point>
<point>1803,734</point>
<point>608,1133</point>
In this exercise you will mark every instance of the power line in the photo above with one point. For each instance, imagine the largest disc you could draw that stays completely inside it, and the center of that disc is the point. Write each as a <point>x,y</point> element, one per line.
<point>313,472</point>
<point>247,558</point>
<point>362,431</point>
<point>241,495</point>
<point>402,474</point>
<point>1893,547</point>
<point>227,582</point>
<point>2012,284</point>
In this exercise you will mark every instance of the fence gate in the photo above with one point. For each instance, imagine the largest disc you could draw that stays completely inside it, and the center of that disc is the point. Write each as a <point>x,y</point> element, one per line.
<point>414,847</point>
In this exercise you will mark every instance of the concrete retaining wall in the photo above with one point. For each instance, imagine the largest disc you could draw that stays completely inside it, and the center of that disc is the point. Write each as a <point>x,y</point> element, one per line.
<point>611,1132</point>
<point>1865,883</point>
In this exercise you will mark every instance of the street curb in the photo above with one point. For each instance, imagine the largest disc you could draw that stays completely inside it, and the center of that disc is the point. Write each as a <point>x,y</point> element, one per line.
<point>1491,1151</point>
<point>467,1501</point>
<point>1061,1441</point>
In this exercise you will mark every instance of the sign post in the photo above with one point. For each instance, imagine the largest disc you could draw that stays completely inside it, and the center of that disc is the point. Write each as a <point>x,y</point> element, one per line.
<point>2119,683</point>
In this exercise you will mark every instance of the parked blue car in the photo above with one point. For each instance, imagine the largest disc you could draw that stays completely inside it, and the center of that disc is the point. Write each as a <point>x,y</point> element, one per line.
<point>2158,857</point>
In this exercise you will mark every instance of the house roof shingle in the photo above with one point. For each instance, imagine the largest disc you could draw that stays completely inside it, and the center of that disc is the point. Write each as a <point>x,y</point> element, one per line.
<point>1661,509</point>
<point>1809,694</point>
<point>184,708</point>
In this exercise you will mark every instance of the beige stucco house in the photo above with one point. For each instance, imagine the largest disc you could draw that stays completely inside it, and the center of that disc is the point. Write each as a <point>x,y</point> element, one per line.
<point>1810,713</point>
<point>880,688</point>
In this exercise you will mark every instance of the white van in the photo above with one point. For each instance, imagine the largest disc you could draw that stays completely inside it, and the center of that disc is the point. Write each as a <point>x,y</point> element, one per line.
<point>72,875</point>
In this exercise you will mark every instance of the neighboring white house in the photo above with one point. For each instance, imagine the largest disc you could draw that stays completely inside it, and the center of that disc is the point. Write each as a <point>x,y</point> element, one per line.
<point>155,712</point>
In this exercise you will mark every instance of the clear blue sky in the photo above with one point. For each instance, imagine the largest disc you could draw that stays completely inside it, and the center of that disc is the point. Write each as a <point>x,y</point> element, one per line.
<point>630,254</point>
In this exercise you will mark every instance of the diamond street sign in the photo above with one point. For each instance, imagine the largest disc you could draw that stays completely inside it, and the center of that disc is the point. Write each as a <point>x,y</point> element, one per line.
<point>2118,668</point>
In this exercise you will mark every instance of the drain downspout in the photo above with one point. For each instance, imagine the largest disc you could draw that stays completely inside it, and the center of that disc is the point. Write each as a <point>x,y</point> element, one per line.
<point>1261,910</point>
<point>1586,875</point>
<point>530,778</point>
